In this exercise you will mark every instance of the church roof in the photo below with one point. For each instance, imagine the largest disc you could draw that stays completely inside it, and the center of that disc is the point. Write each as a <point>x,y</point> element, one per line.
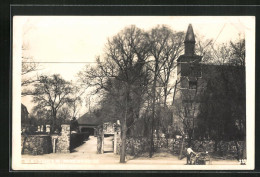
<point>190,34</point>
<point>185,58</point>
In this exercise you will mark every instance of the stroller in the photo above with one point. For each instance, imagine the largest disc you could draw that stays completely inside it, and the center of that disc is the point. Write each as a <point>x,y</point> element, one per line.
<point>201,158</point>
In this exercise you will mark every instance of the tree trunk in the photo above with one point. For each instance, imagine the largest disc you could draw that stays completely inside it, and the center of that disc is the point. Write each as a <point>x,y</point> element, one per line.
<point>123,143</point>
<point>165,97</point>
<point>24,142</point>
<point>153,112</point>
<point>99,144</point>
<point>244,150</point>
<point>181,150</point>
<point>216,145</point>
<point>174,93</point>
<point>244,155</point>
<point>238,151</point>
<point>152,129</point>
<point>193,126</point>
<point>151,142</point>
<point>124,130</point>
<point>53,121</point>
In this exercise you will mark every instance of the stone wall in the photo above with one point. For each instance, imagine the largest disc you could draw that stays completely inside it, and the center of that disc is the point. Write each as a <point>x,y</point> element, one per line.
<point>44,144</point>
<point>36,144</point>
<point>136,146</point>
<point>108,128</point>
<point>61,143</point>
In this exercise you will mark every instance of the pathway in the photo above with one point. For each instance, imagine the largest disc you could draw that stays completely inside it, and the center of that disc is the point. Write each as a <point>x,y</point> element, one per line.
<point>86,153</point>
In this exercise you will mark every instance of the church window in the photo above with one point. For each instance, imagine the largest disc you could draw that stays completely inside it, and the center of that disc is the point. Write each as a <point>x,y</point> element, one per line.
<point>185,69</point>
<point>192,84</point>
<point>195,70</point>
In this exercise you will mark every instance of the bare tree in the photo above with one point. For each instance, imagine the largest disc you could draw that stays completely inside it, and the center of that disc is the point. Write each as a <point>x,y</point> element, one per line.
<point>75,101</point>
<point>165,48</point>
<point>28,70</point>
<point>121,70</point>
<point>238,52</point>
<point>42,115</point>
<point>64,114</point>
<point>203,47</point>
<point>29,66</point>
<point>52,92</point>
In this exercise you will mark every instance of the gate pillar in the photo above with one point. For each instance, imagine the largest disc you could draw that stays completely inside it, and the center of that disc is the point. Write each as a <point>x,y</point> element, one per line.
<point>100,140</point>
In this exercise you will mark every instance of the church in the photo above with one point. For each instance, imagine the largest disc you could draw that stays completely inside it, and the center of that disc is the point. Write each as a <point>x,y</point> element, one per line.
<point>205,92</point>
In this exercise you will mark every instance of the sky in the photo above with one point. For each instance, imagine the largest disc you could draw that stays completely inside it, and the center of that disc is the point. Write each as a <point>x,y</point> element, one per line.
<point>59,40</point>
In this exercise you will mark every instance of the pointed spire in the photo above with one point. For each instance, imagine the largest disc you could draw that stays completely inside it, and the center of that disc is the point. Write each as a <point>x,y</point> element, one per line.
<point>190,34</point>
<point>189,41</point>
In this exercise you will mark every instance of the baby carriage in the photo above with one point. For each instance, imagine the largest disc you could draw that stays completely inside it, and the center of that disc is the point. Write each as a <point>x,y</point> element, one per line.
<point>201,158</point>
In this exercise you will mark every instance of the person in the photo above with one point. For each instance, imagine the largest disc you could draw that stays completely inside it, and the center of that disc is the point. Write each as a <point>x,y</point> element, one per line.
<point>189,154</point>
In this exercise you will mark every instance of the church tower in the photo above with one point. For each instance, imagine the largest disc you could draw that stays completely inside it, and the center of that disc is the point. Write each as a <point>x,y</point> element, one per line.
<point>189,81</point>
<point>189,41</point>
<point>188,65</point>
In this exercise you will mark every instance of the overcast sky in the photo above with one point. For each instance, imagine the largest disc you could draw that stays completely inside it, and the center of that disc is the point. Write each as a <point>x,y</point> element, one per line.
<point>82,38</point>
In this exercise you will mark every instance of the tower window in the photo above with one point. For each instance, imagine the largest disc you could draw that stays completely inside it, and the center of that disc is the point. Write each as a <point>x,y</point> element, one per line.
<point>192,84</point>
<point>195,70</point>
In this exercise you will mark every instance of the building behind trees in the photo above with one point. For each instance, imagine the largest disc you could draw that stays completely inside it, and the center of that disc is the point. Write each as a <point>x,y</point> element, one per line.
<point>210,99</point>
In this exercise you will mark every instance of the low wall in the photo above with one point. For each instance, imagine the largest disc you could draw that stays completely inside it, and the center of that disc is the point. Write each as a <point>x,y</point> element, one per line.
<point>136,146</point>
<point>36,144</point>
<point>44,144</point>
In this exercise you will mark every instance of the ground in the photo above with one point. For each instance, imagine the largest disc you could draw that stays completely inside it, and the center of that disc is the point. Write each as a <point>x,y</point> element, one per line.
<point>86,154</point>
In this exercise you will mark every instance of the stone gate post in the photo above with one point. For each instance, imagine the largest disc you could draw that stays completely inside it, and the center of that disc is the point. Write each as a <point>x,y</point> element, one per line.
<point>64,140</point>
<point>100,140</point>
